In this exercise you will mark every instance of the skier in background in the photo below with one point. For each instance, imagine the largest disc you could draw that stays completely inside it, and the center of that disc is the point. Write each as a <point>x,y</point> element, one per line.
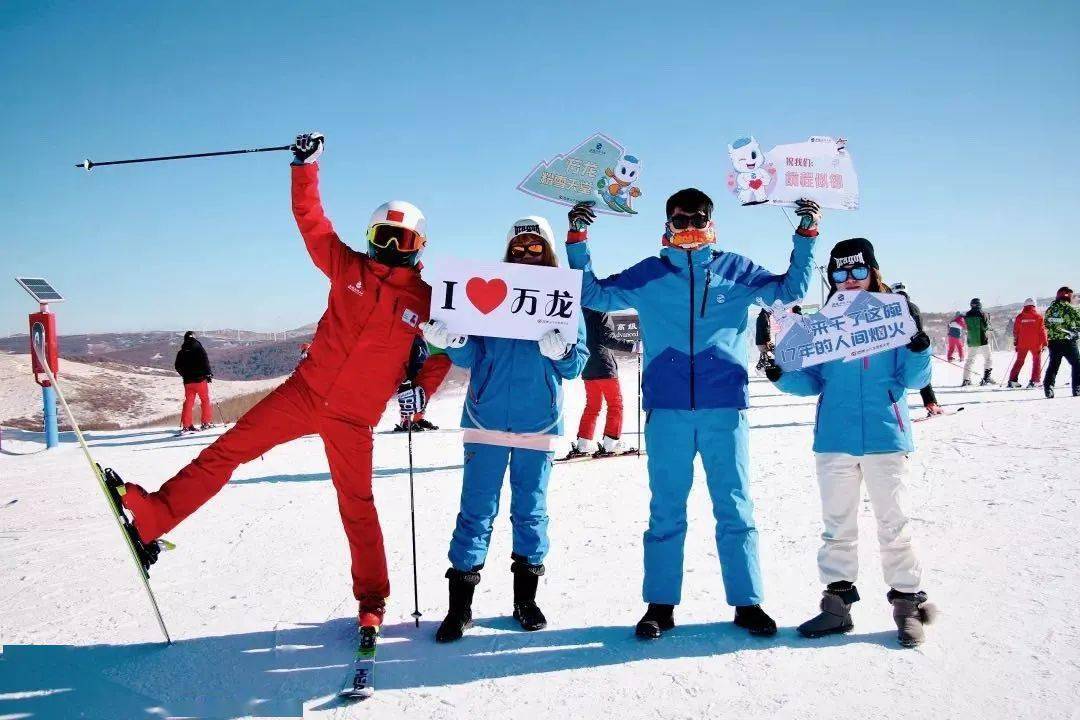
<point>957,331</point>
<point>428,367</point>
<point>601,376</point>
<point>356,362</point>
<point>979,334</point>
<point>194,367</point>
<point>1062,329</point>
<point>1029,337</point>
<point>512,417</point>
<point>863,434</point>
<point>693,306</point>
<point>763,337</point>
<point>929,397</point>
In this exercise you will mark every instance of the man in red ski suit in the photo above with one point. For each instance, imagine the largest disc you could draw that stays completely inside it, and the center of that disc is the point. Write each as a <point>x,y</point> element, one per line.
<point>356,361</point>
<point>1029,336</point>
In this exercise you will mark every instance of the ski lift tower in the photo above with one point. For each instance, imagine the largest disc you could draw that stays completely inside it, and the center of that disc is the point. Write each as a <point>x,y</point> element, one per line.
<point>44,348</point>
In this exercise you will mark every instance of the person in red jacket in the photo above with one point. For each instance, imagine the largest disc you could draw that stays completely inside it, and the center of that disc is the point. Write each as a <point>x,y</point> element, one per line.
<point>1029,336</point>
<point>355,364</point>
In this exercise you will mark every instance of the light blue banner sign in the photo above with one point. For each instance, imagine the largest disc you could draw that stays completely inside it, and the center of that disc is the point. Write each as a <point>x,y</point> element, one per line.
<point>598,169</point>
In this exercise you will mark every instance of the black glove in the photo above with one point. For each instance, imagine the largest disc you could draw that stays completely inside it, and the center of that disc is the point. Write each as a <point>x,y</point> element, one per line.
<point>773,371</point>
<point>582,215</point>
<point>810,212</point>
<point>307,148</point>
<point>919,342</point>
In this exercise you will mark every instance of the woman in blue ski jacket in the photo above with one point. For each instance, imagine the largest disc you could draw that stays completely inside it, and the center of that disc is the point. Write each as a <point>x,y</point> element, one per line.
<point>863,434</point>
<point>512,417</point>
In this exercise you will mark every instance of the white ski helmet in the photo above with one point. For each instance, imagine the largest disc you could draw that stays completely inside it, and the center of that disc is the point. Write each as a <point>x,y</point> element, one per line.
<point>400,214</point>
<point>532,224</point>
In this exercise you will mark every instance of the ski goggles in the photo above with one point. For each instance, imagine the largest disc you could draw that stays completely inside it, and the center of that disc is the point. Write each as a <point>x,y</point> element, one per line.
<point>535,249</point>
<point>681,222</point>
<point>405,240</point>
<point>859,272</point>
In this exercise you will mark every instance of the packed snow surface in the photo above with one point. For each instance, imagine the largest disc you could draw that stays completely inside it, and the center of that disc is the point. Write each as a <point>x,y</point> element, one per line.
<point>258,602</point>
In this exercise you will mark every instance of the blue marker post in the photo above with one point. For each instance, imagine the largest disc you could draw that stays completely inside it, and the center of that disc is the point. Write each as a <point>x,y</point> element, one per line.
<point>52,432</point>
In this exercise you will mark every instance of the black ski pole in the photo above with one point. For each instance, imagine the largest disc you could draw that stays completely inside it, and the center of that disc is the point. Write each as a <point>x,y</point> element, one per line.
<point>640,437</point>
<point>89,164</point>
<point>412,516</point>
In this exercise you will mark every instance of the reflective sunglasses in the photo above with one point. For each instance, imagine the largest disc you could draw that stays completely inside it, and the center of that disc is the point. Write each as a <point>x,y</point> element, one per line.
<point>381,236</point>
<point>859,272</point>
<point>535,249</point>
<point>682,222</point>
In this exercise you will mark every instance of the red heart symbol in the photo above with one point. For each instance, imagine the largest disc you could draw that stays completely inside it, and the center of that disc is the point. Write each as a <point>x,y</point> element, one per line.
<point>755,184</point>
<point>486,295</point>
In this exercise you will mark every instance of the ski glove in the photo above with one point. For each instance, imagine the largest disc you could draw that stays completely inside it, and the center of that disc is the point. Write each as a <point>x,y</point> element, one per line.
<point>553,345</point>
<point>773,371</point>
<point>307,148</point>
<point>919,342</point>
<point>438,335</point>
<point>411,400</point>
<point>810,212</point>
<point>582,215</point>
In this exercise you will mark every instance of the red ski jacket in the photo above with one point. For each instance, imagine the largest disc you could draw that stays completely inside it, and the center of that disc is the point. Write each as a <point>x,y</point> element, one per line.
<point>1029,330</point>
<point>362,346</point>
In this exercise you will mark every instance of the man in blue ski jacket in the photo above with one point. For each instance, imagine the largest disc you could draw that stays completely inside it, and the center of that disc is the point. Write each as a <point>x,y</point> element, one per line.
<point>693,301</point>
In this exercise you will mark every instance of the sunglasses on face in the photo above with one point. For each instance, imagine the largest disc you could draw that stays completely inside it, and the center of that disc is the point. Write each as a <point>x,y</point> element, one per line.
<point>534,249</point>
<point>681,222</point>
<point>859,272</point>
<point>381,236</point>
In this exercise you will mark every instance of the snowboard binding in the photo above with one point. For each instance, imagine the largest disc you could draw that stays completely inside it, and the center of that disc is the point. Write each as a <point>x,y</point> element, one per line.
<point>147,552</point>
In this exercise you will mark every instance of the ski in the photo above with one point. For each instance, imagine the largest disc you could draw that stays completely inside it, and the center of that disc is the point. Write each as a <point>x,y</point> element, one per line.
<point>146,552</point>
<point>361,682</point>
<point>573,457</point>
<point>943,413</point>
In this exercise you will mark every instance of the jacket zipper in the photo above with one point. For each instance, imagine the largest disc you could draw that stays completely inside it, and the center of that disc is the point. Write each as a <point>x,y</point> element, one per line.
<point>896,411</point>
<point>705,292</point>
<point>690,266</point>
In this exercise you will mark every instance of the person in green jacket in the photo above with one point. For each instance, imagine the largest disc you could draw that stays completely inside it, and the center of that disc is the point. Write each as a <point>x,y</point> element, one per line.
<point>979,332</point>
<point>1062,328</point>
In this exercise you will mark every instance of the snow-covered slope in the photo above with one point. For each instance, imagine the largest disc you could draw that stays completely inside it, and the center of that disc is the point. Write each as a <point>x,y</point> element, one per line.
<point>258,601</point>
<point>100,395</point>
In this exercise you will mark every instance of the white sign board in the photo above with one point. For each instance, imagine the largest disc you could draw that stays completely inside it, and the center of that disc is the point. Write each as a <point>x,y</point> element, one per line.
<point>852,325</point>
<point>507,300</point>
<point>820,169</point>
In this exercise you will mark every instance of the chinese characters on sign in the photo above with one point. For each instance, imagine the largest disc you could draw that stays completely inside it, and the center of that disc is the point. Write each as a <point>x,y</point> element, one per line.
<point>504,299</point>
<point>820,169</point>
<point>626,327</point>
<point>851,325</point>
<point>597,169</point>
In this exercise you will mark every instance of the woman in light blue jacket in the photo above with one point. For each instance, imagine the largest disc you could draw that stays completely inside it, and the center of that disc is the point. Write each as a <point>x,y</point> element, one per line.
<point>512,418</point>
<point>863,434</point>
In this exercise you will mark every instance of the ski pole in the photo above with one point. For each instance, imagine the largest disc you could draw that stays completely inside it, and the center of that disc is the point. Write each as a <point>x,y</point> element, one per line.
<point>89,164</point>
<point>640,438</point>
<point>412,517</point>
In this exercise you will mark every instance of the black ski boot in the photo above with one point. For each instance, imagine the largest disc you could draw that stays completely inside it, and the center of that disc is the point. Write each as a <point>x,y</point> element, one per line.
<point>526,579</point>
<point>966,382</point>
<point>987,380</point>
<point>1048,390</point>
<point>402,426</point>
<point>657,620</point>
<point>1076,391</point>
<point>423,424</point>
<point>459,616</point>
<point>1013,384</point>
<point>1032,384</point>
<point>753,619</point>
<point>835,615</point>
<point>911,612</point>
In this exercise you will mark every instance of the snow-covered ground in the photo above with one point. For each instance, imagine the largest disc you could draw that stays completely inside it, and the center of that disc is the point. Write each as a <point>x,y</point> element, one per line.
<point>257,595</point>
<point>102,394</point>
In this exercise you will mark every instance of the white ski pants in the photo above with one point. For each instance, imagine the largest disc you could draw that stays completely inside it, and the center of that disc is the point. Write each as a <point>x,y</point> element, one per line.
<point>982,351</point>
<point>840,477</point>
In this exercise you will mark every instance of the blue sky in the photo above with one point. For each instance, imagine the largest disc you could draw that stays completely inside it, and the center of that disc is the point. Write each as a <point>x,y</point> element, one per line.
<point>961,118</point>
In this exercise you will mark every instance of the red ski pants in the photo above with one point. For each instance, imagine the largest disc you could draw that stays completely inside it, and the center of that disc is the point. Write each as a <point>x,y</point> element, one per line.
<point>202,389</point>
<point>289,412</point>
<point>956,345</point>
<point>1036,364</point>
<point>596,393</point>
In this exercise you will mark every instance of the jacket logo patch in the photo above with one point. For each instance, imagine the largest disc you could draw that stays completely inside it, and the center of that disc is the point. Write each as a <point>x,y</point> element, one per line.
<point>357,287</point>
<point>721,298</point>
<point>410,318</point>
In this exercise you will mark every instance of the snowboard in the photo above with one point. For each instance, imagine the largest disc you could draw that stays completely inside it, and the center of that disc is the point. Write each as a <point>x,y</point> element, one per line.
<point>361,682</point>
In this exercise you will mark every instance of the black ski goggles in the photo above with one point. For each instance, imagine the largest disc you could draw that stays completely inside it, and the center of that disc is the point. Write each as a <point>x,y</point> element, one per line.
<point>858,272</point>
<point>681,222</point>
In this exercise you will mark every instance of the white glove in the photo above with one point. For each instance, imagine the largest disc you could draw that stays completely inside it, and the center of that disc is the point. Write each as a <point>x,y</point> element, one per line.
<point>553,345</point>
<point>412,401</point>
<point>438,335</point>
<point>307,148</point>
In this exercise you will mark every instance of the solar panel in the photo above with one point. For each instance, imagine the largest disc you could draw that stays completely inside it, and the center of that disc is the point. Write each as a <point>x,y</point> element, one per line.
<point>40,289</point>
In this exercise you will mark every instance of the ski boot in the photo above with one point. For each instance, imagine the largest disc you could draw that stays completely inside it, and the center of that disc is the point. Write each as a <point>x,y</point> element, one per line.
<point>582,448</point>
<point>1014,384</point>
<point>186,430</point>
<point>1076,391</point>
<point>372,610</point>
<point>422,424</point>
<point>459,615</point>
<point>1032,384</point>
<point>987,380</point>
<point>611,446</point>
<point>206,426</point>
<point>933,409</point>
<point>526,578</point>
<point>146,552</point>
<point>753,619</point>
<point>657,620</point>
<point>966,382</point>
<point>1048,390</point>
<point>402,426</point>
<point>835,615</point>
<point>911,612</point>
